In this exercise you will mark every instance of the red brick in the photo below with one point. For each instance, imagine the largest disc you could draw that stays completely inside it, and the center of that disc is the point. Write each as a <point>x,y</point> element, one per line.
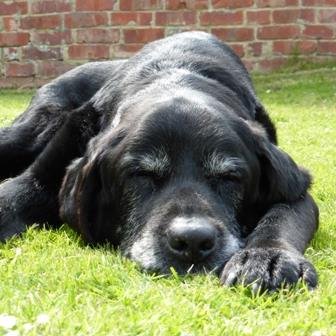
<point>308,15</point>
<point>81,20</point>
<point>98,36</point>
<point>175,18</point>
<point>181,29</point>
<point>41,22</point>
<point>10,23</point>
<point>50,6</point>
<point>327,47</point>
<point>284,47</point>
<point>128,18</point>
<point>307,47</point>
<point>126,50</point>
<point>88,51</point>
<point>233,34</point>
<point>19,69</point>
<point>327,16</point>
<point>319,2</point>
<point>221,18</point>
<point>238,49</point>
<point>130,47</point>
<point>255,49</point>
<point>52,38</point>
<point>293,15</point>
<point>318,31</point>
<point>13,39</point>
<point>293,47</point>
<point>142,35</point>
<point>94,5</point>
<point>276,3</point>
<point>232,3</point>
<point>51,69</point>
<point>33,53</point>
<point>286,15</point>
<point>278,32</point>
<point>186,4</point>
<point>126,5</point>
<point>259,17</point>
<point>13,8</point>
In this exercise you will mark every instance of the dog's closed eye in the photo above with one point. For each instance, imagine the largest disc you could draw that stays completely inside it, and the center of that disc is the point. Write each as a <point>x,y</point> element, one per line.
<point>150,177</point>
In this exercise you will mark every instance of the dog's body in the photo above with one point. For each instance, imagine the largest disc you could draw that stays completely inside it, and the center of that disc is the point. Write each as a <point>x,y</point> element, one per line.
<point>168,155</point>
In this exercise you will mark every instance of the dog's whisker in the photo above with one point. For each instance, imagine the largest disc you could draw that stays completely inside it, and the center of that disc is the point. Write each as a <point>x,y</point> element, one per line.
<point>190,268</point>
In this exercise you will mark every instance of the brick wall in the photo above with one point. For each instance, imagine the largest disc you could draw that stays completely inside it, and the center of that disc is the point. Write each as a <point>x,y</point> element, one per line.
<point>41,39</point>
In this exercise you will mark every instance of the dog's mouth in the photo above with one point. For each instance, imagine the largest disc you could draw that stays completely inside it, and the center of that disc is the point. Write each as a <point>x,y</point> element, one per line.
<point>183,269</point>
<point>154,257</point>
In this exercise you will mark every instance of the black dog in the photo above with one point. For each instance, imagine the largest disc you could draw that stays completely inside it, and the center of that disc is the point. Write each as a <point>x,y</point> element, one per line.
<point>168,155</point>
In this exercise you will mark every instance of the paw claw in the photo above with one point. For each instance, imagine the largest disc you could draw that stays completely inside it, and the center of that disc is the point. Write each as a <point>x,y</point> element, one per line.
<point>230,279</point>
<point>256,288</point>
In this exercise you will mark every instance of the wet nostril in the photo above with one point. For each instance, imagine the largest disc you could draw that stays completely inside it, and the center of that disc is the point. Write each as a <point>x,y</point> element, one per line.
<point>178,245</point>
<point>207,245</point>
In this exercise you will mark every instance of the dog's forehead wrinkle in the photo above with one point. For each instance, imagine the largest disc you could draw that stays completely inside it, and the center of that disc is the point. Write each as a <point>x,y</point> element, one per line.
<point>198,129</point>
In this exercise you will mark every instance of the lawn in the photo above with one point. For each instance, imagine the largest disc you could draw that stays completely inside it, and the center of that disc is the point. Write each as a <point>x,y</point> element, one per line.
<point>51,284</point>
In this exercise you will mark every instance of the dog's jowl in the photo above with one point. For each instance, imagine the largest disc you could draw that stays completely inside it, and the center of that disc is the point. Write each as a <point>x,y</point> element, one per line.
<point>168,155</point>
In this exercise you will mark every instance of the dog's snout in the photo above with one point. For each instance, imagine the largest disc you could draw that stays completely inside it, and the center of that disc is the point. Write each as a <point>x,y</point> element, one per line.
<point>191,239</point>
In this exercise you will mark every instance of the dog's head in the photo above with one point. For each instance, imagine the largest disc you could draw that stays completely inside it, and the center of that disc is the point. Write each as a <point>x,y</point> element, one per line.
<point>170,182</point>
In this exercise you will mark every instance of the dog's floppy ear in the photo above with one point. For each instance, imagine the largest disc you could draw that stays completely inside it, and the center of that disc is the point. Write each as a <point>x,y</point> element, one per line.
<point>86,202</point>
<point>281,179</point>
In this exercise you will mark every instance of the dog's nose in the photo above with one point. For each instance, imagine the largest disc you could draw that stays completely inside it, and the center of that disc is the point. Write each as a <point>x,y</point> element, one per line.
<point>191,239</point>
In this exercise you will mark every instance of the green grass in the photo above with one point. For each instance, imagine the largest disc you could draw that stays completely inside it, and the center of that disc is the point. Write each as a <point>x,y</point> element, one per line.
<point>12,103</point>
<point>88,291</point>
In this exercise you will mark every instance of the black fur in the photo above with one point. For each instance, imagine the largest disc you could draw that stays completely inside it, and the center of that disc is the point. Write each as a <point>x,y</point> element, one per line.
<point>172,139</point>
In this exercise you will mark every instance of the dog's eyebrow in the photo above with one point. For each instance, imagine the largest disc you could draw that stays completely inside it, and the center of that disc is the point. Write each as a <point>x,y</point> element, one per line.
<point>157,161</point>
<point>216,164</point>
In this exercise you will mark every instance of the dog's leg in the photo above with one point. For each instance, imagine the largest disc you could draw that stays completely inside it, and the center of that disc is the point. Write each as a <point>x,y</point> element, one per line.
<point>273,255</point>
<point>30,133</point>
<point>21,143</point>
<point>32,197</point>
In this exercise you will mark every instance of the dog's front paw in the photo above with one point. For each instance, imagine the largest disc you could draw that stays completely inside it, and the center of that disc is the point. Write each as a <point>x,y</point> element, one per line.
<point>268,269</point>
